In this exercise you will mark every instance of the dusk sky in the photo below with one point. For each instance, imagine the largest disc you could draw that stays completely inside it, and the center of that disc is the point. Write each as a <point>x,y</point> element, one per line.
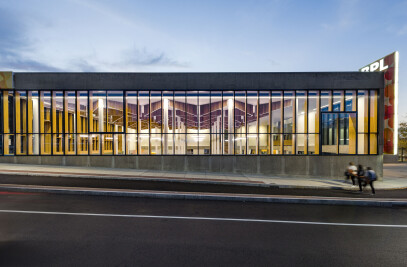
<point>202,36</point>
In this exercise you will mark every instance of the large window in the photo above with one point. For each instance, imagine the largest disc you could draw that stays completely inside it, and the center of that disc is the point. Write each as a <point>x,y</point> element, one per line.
<point>190,122</point>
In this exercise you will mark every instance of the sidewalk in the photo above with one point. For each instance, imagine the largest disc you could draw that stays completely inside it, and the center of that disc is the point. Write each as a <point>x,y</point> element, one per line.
<point>203,186</point>
<point>395,176</point>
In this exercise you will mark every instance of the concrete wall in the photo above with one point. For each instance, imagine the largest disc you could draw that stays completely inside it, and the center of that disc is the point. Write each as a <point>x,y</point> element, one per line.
<point>287,166</point>
<point>199,81</point>
<point>390,158</point>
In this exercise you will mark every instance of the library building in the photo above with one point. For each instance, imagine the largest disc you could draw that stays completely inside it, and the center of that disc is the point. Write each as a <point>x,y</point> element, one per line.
<point>308,124</point>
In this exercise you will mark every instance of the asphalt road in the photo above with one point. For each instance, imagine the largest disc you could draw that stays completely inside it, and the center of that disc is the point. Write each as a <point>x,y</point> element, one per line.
<point>67,230</point>
<point>192,187</point>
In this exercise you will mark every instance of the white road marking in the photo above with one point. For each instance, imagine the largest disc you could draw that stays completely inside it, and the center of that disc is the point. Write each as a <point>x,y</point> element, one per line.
<point>202,218</point>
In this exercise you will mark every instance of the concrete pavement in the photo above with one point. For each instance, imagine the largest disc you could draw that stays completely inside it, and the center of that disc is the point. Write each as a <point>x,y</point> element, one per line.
<point>395,176</point>
<point>395,179</point>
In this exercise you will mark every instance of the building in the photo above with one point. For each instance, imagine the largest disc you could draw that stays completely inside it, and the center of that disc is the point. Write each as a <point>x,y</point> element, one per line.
<point>308,124</point>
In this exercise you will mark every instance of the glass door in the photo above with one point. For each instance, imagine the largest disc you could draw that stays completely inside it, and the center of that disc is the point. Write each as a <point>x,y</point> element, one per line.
<point>338,133</point>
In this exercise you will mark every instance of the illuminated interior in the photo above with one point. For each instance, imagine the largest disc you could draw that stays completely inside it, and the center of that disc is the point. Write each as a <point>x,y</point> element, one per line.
<point>239,122</point>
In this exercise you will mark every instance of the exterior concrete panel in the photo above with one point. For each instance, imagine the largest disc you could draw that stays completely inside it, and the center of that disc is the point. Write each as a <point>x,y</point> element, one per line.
<point>282,166</point>
<point>199,81</point>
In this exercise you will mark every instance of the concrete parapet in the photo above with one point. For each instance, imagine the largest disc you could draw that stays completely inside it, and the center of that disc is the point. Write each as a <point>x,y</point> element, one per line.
<point>321,166</point>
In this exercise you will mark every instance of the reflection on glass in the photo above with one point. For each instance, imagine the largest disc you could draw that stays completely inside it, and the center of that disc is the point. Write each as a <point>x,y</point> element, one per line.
<point>228,129</point>
<point>216,122</point>
<point>301,112</point>
<point>252,112</point>
<point>347,133</point>
<point>264,144</point>
<point>313,144</point>
<point>289,147</point>
<point>192,144</point>
<point>180,112</point>
<point>264,112</point>
<point>204,144</point>
<point>276,103</point>
<point>329,133</point>
<point>326,101</point>
<point>338,104</point>
<point>107,144</point>
<point>301,144</point>
<point>168,144</point>
<point>131,145</point>
<point>230,122</point>
<point>313,112</point>
<point>155,113</point>
<point>289,98</point>
<point>21,144</point>
<point>276,144</point>
<point>363,111</point>
<point>180,144</point>
<point>179,121</point>
<point>33,123</point>
<point>252,144</point>
<point>363,144</point>
<point>144,144</point>
<point>204,112</point>
<point>155,144</point>
<point>70,124</point>
<point>119,144</point>
<point>168,122</point>
<point>115,111</point>
<point>350,100</point>
<point>34,139</point>
<point>240,144</point>
<point>131,111</point>
<point>240,113</point>
<point>82,113</point>
<point>70,144</point>
<point>373,111</point>
<point>21,122</point>
<point>192,112</point>
<point>8,121</point>
<point>45,122</point>
<point>373,144</point>
<point>95,144</point>
<point>57,122</point>
<point>144,116</point>
<point>97,102</point>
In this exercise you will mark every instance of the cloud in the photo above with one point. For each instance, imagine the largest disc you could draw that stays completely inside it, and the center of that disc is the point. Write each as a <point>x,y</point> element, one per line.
<point>14,46</point>
<point>402,30</point>
<point>143,57</point>
<point>83,65</point>
<point>347,14</point>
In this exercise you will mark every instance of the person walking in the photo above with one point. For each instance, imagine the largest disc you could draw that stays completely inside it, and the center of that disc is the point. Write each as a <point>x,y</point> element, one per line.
<point>370,178</point>
<point>360,176</point>
<point>351,172</point>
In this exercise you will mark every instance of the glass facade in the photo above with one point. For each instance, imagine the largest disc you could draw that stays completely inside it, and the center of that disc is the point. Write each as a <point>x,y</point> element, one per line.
<point>216,122</point>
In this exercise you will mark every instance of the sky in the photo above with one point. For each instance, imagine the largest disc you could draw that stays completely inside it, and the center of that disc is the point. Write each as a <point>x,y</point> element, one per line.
<point>202,36</point>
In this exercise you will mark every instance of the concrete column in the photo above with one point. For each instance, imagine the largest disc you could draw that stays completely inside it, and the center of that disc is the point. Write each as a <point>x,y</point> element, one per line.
<point>230,126</point>
<point>36,118</point>
<point>218,136</point>
<point>100,115</point>
<point>165,126</point>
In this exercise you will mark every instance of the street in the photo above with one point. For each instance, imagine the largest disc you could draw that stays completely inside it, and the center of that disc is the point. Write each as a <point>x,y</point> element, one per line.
<point>67,230</point>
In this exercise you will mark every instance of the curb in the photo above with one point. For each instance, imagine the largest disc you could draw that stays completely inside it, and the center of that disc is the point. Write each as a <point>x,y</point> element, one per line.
<point>144,178</point>
<point>378,202</point>
<point>183,180</point>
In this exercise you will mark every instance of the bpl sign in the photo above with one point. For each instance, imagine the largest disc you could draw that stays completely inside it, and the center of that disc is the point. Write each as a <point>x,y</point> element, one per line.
<point>389,65</point>
<point>375,66</point>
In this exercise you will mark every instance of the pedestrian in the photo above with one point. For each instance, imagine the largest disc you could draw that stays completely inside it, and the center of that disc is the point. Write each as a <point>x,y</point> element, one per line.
<point>351,172</point>
<point>360,176</point>
<point>370,178</point>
